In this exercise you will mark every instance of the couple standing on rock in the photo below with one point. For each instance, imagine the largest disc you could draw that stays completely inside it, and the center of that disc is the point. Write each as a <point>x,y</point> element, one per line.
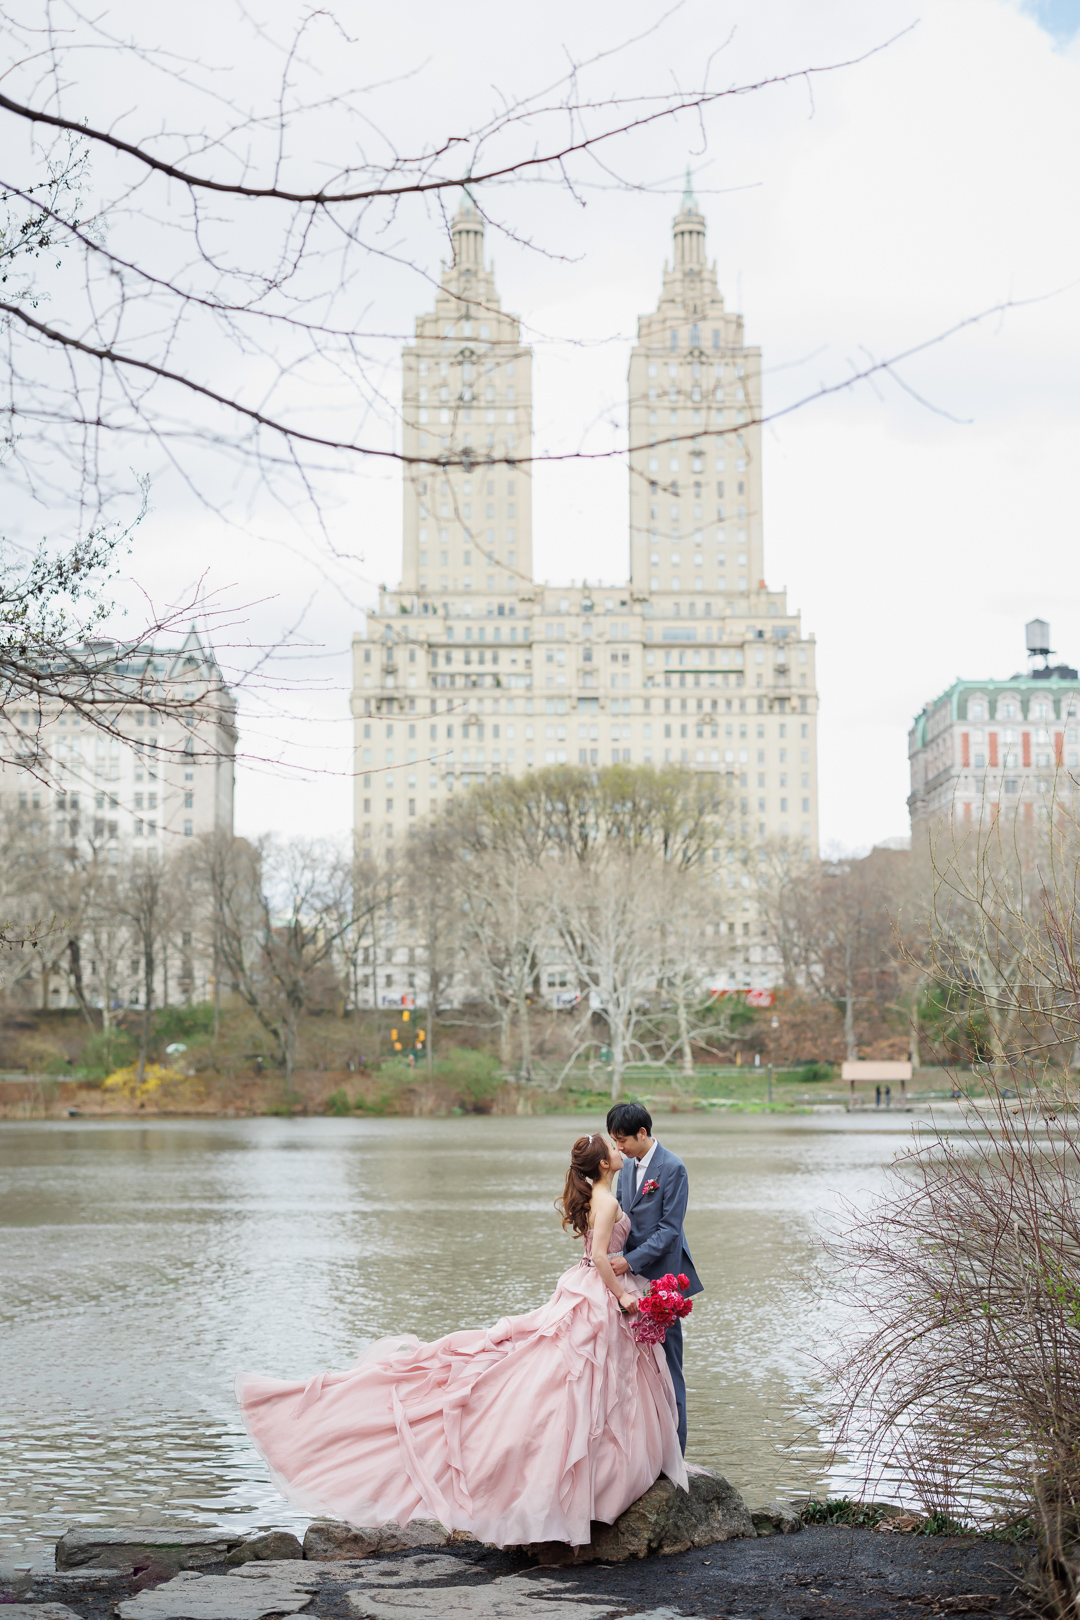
<point>526,1431</point>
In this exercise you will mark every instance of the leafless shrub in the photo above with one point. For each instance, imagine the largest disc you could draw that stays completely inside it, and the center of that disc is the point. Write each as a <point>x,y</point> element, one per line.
<point>961,1373</point>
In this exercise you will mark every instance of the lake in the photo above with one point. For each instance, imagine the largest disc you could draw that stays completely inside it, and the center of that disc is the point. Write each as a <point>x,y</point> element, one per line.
<point>144,1263</point>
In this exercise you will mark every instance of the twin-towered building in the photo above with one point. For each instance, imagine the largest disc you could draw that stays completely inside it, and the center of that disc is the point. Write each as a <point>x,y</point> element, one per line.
<point>471,668</point>
<point>984,748</point>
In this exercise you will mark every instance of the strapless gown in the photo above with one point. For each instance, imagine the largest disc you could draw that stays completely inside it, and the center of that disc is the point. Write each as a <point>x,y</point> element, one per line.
<point>523,1432</point>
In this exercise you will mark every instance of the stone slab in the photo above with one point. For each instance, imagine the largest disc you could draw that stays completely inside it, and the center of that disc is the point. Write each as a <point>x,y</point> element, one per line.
<point>334,1569</point>
<point>136,1545</point>
<point>75,1577</point>
<point>409,1572</point>
<point>511,1597</point>
<point>298,1571</point>
<point>272,1546</point>
<point>39,1611</point>
<point>332,1538</point>
<point>191,1596</point>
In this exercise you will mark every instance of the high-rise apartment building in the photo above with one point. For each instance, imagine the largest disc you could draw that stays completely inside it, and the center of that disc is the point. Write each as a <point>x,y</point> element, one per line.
<point>471,668</point>
<point>997,747</point>
<point>154,776</point>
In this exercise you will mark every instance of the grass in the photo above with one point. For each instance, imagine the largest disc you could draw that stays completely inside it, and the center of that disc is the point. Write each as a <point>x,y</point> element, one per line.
<point>868,1515</point>
<point>735,1088</point>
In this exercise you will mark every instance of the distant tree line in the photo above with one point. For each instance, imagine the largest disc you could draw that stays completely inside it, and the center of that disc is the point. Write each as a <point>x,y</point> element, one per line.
<point>626,898</point>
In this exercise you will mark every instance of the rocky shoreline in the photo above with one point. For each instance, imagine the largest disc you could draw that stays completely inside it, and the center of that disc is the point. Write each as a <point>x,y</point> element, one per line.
<point>669,1555</point>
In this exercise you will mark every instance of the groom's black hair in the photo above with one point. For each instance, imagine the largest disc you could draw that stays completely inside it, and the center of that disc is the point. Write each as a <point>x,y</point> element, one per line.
<point>626,1119</point>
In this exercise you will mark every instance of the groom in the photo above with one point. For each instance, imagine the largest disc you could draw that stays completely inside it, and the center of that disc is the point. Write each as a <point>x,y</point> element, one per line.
<point>652,1189</point>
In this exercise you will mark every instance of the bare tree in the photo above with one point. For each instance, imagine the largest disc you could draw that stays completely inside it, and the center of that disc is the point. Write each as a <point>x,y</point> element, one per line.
<point>433,918</point>
<point>832,931</point>
<point>362,890</point>
<point>277,919</point>
<point>504,912</point>
<point>610,917</point>
<point>145,900</point>
<point>959,1367</point>
<point>216,237</point>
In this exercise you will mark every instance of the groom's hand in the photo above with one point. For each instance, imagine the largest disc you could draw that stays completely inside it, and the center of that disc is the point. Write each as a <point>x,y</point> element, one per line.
<point>619,1264</point>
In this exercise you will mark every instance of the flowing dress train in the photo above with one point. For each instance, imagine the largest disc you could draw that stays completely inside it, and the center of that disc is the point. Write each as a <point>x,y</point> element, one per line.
<point>523,1432</point>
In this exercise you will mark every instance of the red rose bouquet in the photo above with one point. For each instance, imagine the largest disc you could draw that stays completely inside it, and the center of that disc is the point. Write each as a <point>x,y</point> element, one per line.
<point>664,1304</point>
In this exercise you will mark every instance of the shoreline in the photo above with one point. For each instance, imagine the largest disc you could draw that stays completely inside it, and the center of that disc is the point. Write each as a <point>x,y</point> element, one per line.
<point>822,1572</point>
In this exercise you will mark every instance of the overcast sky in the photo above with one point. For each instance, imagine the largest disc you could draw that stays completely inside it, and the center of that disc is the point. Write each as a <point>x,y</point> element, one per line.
<point>914,527</point>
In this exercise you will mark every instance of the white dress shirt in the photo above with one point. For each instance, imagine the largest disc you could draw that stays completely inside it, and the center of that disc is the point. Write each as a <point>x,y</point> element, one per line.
<point>641,1167</point>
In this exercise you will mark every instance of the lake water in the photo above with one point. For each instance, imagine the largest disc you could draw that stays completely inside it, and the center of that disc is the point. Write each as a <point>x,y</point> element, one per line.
<point>143,1263</point>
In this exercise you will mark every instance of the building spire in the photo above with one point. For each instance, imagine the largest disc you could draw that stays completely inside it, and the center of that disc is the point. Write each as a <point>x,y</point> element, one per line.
<point>689,201</point>
<point>688,229</point>
<point>467,232</point>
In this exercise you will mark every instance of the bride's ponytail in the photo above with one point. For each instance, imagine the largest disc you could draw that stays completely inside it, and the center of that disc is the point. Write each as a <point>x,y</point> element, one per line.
<point>586,1157</point>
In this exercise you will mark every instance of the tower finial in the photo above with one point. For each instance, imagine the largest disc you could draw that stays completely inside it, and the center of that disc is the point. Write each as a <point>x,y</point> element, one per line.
<point>689,202</point>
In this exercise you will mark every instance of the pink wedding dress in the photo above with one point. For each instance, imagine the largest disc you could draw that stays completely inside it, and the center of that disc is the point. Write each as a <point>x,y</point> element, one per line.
<point>523,1432</point>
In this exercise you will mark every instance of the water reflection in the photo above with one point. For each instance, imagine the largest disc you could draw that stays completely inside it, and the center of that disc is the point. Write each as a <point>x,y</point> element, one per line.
<point>143,1264</point>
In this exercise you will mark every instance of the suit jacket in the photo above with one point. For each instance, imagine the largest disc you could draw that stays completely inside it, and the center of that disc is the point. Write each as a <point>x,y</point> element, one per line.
<point>656,1244</point>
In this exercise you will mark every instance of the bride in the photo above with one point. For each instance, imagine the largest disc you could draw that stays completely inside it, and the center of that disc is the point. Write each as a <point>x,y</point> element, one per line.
<point>523,1432</point>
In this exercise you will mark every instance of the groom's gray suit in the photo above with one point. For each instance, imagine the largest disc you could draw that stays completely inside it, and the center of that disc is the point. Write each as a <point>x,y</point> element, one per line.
<point>656,1244</point>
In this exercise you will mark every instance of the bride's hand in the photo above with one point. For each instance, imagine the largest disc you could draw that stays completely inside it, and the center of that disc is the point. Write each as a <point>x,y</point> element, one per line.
<point>629,1303</point>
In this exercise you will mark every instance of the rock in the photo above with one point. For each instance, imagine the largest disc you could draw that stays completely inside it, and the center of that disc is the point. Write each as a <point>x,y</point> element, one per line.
<point>296,1571</point>
<point>665,1520</point>
<point>776,1519</point>
<point>38,1611</point>
<point>510,1597</point>
<point>409,1572</point>
<point>191,1596</point>
<point>83,1578</point>
<point>330,1538</point>
<point>16,1582</point>
<point>274,1544</point>
<point>136,1546</point>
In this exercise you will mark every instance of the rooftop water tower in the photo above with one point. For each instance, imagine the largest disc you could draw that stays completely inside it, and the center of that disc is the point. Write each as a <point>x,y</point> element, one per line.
<point>1038,638</point>
<point>1037,632</point>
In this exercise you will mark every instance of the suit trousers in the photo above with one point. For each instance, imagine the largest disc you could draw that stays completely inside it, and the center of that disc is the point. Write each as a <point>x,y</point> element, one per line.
<point>673,1348</point>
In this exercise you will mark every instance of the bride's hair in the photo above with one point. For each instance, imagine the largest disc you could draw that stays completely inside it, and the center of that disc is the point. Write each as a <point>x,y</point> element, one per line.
<point>586,1157</point>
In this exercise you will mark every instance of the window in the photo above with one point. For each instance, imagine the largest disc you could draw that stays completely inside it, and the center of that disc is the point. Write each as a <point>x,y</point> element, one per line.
<point>189,800</point>
<point>187,829</point>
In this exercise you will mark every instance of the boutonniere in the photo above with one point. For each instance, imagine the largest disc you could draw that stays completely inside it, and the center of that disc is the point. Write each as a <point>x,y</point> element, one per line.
<point>649,1187</point>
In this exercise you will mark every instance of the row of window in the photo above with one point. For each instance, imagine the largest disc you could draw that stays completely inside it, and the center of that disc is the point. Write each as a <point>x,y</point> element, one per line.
<point>694,340</point>
<point>425,367</point>
<point>448,415</point>
<point>1039,708</point>
<point>1043,761</point>
<point>726,657</point>
<point>142,828</point>
<point>465,394</point>
<point>468,729</point>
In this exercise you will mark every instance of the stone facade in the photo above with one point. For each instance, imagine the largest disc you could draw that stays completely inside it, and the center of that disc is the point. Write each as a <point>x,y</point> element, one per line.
<point>999,746</point>
<point>152,780</point>
<point>471,668</point>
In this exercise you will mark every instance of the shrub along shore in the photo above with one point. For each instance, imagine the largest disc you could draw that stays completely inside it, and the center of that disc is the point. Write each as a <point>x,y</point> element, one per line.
<point>55,1064</point>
